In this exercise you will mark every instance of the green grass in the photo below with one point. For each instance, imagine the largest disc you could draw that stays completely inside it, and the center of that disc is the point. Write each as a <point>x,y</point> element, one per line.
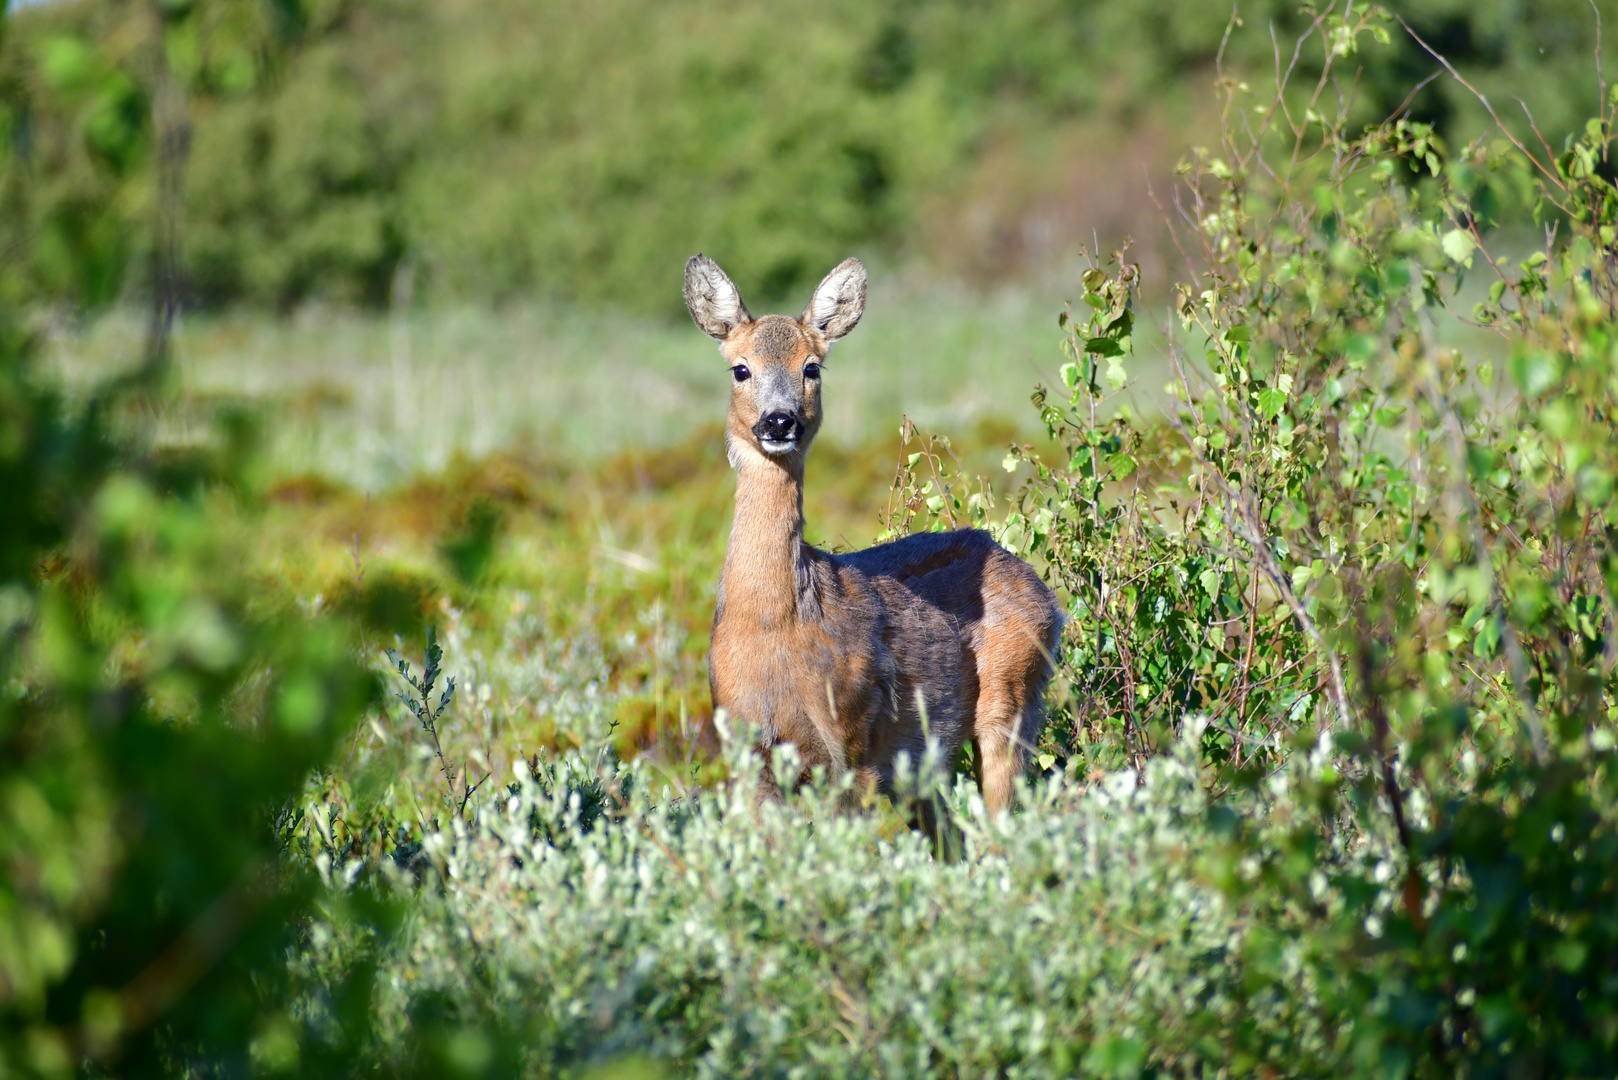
<point>373,401</point>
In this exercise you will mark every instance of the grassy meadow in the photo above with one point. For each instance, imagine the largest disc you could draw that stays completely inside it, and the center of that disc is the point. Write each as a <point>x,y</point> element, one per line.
<point>592,440</point>
<point>373,400</point>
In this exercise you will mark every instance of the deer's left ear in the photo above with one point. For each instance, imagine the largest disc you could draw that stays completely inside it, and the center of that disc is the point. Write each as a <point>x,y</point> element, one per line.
<point>839,301</point>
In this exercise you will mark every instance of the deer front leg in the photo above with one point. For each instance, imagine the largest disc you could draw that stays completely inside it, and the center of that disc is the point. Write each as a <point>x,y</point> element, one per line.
<point>768,790</point>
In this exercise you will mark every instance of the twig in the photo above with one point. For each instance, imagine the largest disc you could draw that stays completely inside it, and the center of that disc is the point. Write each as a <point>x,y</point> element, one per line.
<point>1456,75</point>
<point>1247,661</point>
<point>1601,75</point>
<point>1410,97</point>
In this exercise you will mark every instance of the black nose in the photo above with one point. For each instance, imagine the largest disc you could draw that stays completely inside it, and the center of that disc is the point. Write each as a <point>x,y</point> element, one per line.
<point>777,427</point>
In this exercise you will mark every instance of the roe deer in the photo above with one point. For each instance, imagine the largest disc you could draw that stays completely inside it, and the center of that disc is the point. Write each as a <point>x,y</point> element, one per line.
<point>840,654</point>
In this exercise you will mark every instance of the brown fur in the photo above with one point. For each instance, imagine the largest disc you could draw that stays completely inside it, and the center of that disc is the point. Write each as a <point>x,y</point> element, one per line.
<point>831,652</point>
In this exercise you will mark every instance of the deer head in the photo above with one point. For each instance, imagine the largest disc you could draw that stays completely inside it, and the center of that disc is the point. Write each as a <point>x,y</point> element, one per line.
<point>775,360</point>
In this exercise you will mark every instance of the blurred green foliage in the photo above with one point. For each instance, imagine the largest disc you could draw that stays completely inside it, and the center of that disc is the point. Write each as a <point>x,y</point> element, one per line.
<point>501,149</point>
<point>160,707</point>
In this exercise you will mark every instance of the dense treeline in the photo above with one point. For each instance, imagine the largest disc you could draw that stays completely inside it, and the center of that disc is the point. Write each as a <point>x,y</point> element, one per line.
<point>493,149</point>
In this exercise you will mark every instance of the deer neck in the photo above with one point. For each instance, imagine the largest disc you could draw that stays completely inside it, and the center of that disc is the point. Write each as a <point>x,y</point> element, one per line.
<point>765,576</point>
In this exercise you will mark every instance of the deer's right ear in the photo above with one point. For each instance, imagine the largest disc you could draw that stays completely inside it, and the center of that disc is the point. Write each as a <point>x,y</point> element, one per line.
<point>712,299</point>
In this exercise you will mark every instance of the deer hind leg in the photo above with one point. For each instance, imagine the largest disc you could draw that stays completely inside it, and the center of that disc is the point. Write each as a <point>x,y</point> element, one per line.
<point>1012,673</point>
<point>768,790</point>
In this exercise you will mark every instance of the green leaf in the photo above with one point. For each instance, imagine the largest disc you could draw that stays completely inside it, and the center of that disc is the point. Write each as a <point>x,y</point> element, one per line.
<point>1271,402</point>
<point>1458,245</point>
<point>1388,415</point>
<point>1594,485</point>
<point>68,64</point>
<point>1535,372</point>
<point>1570,954</point>
<point>1487,640</point>
<point>1116,1057</point>
<point>1116,376</point>
<point>1103,346</point>
<point>1122,465</point>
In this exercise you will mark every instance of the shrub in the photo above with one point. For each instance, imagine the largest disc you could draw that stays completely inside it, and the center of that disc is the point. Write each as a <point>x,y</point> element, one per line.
<point>1344,530</point>
<point>1078,936</point>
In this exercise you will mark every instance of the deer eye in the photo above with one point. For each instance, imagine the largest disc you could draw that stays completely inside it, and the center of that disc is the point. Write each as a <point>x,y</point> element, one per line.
<point>741,373</point>
<point>811,371</point>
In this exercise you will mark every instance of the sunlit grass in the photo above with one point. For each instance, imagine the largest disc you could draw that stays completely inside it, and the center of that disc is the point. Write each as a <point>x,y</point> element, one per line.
<point>373,400</point>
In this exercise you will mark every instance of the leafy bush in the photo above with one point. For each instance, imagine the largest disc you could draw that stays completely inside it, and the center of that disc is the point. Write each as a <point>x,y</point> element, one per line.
<point>1345,530</point>
<point>1078,936</point>
<point>160,706</point>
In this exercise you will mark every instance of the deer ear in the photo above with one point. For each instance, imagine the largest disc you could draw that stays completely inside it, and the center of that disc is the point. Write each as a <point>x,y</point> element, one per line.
<point>712,298</point>
<point>839,301</point>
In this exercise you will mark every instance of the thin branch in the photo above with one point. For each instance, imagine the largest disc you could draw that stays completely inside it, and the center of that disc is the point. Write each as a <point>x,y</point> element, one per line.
<point>1456,75</point>
<point>1533,126</point>
<point>1601,75</point>
<point>1410,97</point>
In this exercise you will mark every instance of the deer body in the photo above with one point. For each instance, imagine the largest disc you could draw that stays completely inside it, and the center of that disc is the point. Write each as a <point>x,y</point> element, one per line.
<point>842,655</point>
